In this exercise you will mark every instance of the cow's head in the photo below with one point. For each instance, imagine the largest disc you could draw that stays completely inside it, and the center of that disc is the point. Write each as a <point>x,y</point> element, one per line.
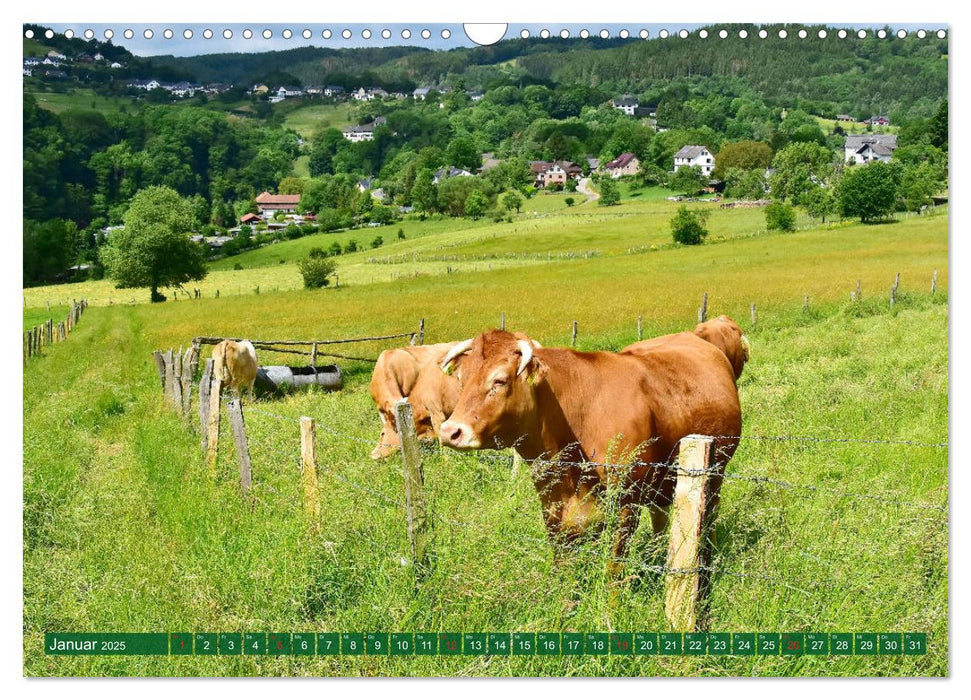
<point>499,375</point>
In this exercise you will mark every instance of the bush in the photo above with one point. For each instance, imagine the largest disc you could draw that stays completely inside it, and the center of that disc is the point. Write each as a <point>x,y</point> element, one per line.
<point>570,201</point>
<point>316,272</point>
<point>237,266</point>
<point>687,227</point>
<point>609,193</point>
<point>293,232</point>
<point>401,234</point>
<point>780,217</point>
<point>316,252</point>
<point>351,247</point>
<point>377,242</point>
<point>335,248</point>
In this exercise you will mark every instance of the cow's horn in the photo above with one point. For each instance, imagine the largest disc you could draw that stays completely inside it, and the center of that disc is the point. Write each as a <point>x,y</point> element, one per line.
<point>526,348</point>
<point>459,349</point>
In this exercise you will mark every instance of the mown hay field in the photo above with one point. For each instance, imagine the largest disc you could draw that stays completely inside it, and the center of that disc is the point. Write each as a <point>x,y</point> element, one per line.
<point>124,530</point>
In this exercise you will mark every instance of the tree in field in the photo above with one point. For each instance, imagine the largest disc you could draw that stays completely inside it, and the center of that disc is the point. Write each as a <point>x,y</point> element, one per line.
<point>780,217</point>
<point>800,167</point>
<point>423,193</point>
<point>869,191</point>
<point>153,249</point>
<point>917,185</point>
<point>511,201</point>
<point>689,180</point>
<point>820,203</point>
<point>316,271</point>
<point>569,201</point>
<point>688,227</point>
<point>745,155</point>
<point>475,205</point>
<point>609,193</point>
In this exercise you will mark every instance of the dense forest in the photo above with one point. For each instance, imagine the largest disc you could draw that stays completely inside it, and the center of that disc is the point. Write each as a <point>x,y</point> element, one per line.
<point>82,166</point>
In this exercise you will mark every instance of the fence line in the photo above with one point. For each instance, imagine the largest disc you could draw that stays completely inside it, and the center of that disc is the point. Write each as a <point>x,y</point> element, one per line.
<point>48,333</point>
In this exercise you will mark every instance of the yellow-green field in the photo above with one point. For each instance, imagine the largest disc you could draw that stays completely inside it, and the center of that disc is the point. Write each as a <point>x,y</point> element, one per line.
<point>125,530</point>
<point>308,120</point>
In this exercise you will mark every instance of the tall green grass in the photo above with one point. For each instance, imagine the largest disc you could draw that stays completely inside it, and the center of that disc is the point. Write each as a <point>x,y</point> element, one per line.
<point>124,530</point>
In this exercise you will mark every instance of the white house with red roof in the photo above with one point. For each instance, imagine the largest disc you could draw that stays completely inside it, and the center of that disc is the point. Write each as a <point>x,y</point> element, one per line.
<point>622,165</point>
<point>270,204</point>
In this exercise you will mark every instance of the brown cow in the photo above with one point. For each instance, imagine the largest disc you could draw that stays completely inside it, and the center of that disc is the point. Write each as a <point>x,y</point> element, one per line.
<point>572,413</point>
<point>394,378</point>
<point>725,334</point>
<point>433,399</point>
<point>234,364</point>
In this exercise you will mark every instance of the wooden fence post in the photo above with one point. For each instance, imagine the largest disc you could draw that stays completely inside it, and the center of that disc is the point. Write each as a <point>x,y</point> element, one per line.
<point>573,336</point>
<point>688,551</point>
<point>859,290</point>
<point>212,422</point>
<point>640,329</point>
<point>204,387</point>
<point>421,332</point>
<point>703,310</point>
<point>805,303</point>
<point>754,316</point>
<point>414,483</point>
<point>934,282</point>
<point>893,290</point>
<point>502,320</point>
<point>160,366</point>
<point>308,470</point>
<point>189,363</point>
<point>242,448</point>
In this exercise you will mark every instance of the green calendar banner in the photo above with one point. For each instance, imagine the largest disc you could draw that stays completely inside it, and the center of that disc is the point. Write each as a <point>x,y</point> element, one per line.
<point>376,644</point>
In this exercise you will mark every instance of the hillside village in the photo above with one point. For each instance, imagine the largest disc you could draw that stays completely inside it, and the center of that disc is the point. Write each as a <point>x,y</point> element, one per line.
<point>444,148</point>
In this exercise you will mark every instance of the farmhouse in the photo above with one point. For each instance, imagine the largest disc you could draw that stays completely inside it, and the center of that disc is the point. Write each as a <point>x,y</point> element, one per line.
<point>624,164</point>
<point>879,120</point>
<point>333,90</point>
<point>844,118</point>
<point>475,95</point>
<point>359,132</point>
<point>626,104</point>
<point>546,173</point>
<point>421,93</point>
<point>368,94</point>
<point>270,204</point>
<point>249,219</point>
<point>489,161</point>
<point>866,148</point>
<point>695,156</point>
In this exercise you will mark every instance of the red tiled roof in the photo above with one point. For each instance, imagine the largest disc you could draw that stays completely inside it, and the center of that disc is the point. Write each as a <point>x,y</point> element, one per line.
<point>246,218</point>
<point>278,199</point>
<point>620,161</point>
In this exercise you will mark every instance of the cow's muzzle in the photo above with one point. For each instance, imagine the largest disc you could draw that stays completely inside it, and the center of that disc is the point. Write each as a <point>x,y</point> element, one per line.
<point>459,436</point>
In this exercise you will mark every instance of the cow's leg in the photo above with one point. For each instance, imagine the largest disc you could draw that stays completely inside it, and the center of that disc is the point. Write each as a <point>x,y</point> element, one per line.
<point>659,520</point>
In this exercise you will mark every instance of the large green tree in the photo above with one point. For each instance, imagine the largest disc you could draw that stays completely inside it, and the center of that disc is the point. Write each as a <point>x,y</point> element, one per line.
<point>153,249</point>
<point>869,191</point>
<point>745,155</point>
<point>800,167</point>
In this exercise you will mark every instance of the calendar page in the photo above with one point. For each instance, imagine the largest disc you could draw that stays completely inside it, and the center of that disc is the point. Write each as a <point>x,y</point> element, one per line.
<point>450,350</point>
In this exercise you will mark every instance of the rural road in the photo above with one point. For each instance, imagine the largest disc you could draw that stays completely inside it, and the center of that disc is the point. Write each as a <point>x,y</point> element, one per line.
<point>582,188</point>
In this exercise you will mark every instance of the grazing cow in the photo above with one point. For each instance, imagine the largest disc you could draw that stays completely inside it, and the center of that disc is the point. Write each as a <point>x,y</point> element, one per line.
<point>725,334</point>
<point>234,364</point>
<point>394,378</point>
<point>587,420</point>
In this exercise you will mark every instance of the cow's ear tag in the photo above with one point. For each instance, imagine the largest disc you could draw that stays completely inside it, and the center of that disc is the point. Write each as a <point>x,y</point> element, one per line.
<point>531,378</point>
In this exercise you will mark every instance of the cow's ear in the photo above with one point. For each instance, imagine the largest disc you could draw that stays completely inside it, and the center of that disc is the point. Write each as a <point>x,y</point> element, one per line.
<point>536,371</point>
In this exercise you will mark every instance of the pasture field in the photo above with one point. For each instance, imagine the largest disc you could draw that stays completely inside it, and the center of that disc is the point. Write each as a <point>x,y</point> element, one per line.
<point>125,531</point>
<point>36,316</point>
<point>310,119</point>
<point>81,98</point>
<point>619,238</point>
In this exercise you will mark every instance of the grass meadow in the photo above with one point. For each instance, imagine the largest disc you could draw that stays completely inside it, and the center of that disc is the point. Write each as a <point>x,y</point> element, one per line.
<point>125,530</point>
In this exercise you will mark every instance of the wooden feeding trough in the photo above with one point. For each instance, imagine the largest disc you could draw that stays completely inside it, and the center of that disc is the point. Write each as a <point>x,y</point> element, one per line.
<point>281,379</point>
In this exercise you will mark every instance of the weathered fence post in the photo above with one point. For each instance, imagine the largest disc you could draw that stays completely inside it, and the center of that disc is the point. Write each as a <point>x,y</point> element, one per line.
<point>189,363</point>
<point>859,290</point>
<point>204,387</point>
<point>640,329</point>
<point>893,290</point>
<point>754,316</point>
<point>308,470</point>
<point>934,282</point>
<point>688,551</point>
<point>242,448</point>
<point>703,310</point>
<point>573,336</point>
<point>414,483</point>
<point>160,366</point>
<point>212,422</point>
<point>502,320</point>
<point>805,303</point>
<point>313,356</point>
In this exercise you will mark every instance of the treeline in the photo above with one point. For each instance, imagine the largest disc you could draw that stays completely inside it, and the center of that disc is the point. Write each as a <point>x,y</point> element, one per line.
<point>83,167</point>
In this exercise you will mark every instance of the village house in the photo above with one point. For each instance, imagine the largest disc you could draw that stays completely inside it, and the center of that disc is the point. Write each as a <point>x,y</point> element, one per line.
<point>475,95</point>
<point>421,93</point>
<point>626,104</point>
<point>56,55</point>
<point>368,94</point>
<point>116,65</point>
<point>844,118</point>
<point>149,84</point>
<point>866,148</point>
<point>622,165</point>
<point>333,90</point>
<point>443,173</point>
<point>489,161</point>
<point>250,219</point>
<point>878,121</point>
<point>546,173</point>
<point>695,157</point>
<point>359,132</point>
<point>269,204</point>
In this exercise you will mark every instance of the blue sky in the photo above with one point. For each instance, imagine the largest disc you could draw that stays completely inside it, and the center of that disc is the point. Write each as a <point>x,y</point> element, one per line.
<point>180,46</point>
